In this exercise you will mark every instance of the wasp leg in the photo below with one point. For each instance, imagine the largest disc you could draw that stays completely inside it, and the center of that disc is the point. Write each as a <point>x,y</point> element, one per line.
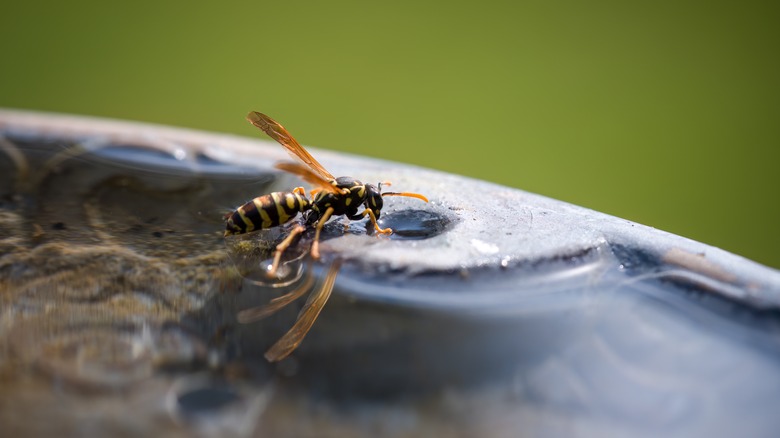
<point>300,190</point>
<point>373,221</point>
<point>283,246</point>
<point>314,192</point>
<point>315,246</point>
<point>353,215</point>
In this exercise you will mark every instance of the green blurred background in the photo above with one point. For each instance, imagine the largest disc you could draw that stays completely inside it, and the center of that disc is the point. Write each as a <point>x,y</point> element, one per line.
<point>664,113</point>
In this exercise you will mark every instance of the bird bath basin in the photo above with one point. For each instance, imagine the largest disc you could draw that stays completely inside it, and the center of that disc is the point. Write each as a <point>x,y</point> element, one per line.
<point>490,311</point>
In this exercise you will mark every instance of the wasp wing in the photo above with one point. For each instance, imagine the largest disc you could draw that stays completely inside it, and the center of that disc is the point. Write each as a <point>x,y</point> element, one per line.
<point>283,137</point>
<point>307,175</point>
<point>311,310</point>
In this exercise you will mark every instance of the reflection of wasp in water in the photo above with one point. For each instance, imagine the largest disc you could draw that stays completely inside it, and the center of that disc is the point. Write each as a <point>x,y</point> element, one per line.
<point>331,197</point>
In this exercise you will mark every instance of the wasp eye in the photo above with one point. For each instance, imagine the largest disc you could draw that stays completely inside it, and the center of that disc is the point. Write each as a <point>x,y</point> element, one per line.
<point>375,202</point>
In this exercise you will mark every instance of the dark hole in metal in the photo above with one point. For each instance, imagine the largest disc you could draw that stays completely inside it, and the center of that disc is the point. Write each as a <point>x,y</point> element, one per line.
<point>415,224</point>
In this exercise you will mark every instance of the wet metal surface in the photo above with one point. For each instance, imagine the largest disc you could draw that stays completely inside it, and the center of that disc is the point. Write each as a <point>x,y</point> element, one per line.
<point>490,311</point>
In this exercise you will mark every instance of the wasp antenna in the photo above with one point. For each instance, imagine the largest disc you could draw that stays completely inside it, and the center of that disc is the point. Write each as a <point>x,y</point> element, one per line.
<point>407,194</point>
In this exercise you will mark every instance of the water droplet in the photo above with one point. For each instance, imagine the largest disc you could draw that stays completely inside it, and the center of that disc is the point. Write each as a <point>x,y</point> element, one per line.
<point>484,247</point>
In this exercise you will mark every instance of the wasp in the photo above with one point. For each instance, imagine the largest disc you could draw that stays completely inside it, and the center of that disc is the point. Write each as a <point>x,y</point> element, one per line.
<point>330,197</point>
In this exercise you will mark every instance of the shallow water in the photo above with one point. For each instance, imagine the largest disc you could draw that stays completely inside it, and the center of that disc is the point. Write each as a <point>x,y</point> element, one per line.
<point>120,300</point>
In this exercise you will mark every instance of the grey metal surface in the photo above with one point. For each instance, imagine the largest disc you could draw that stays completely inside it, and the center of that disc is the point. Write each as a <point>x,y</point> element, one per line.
<point>490,312</point>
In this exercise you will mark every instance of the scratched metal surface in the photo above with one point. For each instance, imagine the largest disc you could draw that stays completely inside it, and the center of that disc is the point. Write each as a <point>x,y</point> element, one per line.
<point>491,311</point>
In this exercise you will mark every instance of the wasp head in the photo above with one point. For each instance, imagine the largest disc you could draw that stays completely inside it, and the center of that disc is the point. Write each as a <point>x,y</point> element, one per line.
<point>374,200</point>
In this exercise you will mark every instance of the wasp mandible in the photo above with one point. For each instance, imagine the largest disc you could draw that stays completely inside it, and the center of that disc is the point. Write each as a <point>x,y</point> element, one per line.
<point>331,196</point>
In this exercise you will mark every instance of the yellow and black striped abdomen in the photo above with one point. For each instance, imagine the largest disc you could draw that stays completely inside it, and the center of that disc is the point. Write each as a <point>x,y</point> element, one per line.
<point>265,212</point>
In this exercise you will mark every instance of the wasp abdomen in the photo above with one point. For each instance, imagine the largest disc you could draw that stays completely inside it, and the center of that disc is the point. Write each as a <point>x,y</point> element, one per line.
<point>265,212</point>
